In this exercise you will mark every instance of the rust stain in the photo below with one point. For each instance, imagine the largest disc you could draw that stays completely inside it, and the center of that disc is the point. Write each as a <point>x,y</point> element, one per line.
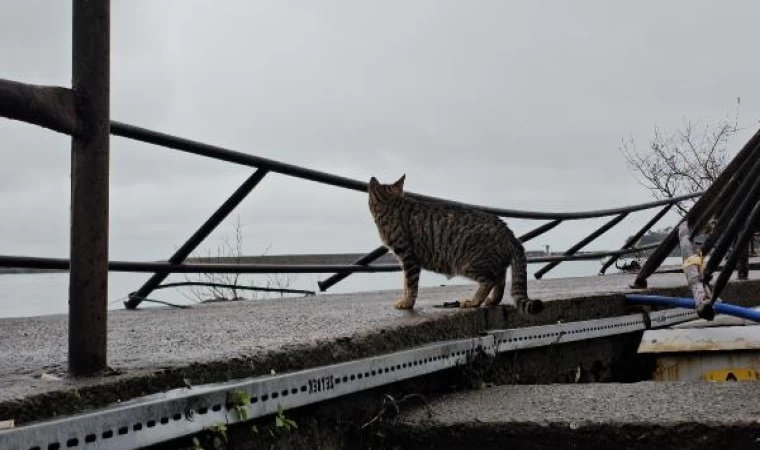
<point>666,372</point>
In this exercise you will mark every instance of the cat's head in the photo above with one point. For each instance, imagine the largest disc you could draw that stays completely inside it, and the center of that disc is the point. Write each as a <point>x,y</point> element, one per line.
<point>386,192</point>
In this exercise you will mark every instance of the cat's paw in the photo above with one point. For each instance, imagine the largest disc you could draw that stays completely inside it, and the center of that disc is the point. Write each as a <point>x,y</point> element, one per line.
<point>468,303</point>
<point>531,306</point>
<point>403,303</point>
<point>490,302</point>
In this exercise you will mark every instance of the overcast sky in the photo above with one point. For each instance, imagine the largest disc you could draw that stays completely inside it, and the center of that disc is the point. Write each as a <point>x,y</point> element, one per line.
<point>513,104</point>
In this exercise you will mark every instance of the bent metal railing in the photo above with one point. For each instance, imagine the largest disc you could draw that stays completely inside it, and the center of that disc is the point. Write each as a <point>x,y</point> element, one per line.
<point>732,203</point>
<point>83,113</point>
<point>263,166</point>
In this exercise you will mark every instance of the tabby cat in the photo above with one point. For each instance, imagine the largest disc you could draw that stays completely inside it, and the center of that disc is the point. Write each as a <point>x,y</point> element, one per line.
<point>450,240</point>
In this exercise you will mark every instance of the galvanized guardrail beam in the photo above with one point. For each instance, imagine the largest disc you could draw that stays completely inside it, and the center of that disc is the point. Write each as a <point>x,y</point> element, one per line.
<point>180,412</point>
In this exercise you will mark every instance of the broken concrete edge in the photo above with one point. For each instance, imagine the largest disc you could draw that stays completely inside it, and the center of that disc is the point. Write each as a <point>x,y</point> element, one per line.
<point>575,425</point>
<point>379,419</point>
<point>93,393</point>
<point>531,435</point>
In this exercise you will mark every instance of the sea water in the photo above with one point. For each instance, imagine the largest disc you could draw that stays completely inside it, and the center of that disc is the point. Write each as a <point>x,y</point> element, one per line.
<point>23,295</point>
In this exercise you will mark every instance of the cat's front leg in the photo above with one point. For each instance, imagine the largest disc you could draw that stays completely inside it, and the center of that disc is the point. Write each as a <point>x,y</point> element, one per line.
<point>411,282</point>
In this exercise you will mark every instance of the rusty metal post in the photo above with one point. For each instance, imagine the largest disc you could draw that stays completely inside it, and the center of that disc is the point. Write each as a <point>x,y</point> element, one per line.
<point>88,279</point>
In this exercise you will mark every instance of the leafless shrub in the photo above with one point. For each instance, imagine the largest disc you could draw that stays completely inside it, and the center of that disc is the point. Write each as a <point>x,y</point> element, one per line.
<point>684,161</point>
<point>227,286</point>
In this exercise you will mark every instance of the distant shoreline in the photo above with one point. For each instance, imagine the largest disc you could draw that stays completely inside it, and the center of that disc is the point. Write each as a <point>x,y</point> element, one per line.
<point>326,258</point>
<point>20,271</point>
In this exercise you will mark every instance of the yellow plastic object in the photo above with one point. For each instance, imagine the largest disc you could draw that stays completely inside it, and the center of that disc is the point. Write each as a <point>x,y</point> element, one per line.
<point>694,260</point>
<point>731,375</point>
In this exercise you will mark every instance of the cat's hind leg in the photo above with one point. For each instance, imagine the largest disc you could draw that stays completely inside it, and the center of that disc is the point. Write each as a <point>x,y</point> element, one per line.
<point>529,306</point>
<point>480,295</point>
<point>498,292</point>
<point>519,288</point>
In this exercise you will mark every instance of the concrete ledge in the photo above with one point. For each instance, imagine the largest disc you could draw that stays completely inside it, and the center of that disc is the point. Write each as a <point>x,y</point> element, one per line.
<point>158,349</point>
<point>638,415</point>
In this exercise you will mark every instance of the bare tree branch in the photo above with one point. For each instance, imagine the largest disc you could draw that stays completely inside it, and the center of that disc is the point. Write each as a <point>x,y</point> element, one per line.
<point>681,162</point>
<point>226,286</point>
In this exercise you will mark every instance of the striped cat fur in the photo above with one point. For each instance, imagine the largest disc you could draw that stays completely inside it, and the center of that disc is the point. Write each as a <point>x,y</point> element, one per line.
<point>453,241</point>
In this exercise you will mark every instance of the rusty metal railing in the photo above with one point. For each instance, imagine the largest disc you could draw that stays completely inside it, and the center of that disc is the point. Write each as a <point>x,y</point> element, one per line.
<point>82,112</point>
<point>733,203</point>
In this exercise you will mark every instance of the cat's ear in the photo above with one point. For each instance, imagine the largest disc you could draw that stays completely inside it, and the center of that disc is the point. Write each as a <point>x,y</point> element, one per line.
<point>399,185</point>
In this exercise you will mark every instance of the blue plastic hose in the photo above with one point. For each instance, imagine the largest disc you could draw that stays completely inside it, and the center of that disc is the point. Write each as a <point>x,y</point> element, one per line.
<point>682,302</point>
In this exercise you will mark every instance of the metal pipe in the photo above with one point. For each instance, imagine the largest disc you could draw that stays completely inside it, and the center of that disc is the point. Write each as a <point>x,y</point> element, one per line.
<point>538,231</point>
<point>735,214</point>
<point>590,255</point>
<point>742,265</point>
<point>720,189</point>
<point>741,242</point>
<point>32,262</point>
<point>718,204</point>
<point>363,261</point>
<point>701,213</point>
<point>724,209</point>
<point>212,151</point>
<point>88,277</point>
<point>582,243</point>
<point>688,303</point>
<point>195,240</point>
<point>47,106</point>
<point>633,239</point>
<point>751,266</point>
<point>728,209</point>
<point>29,262</point>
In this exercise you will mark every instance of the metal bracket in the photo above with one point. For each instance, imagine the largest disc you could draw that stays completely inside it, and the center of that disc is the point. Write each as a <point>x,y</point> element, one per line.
<point>667,317</point>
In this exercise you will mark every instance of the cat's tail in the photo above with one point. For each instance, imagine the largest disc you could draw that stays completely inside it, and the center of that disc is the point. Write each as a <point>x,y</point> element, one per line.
<point>519,287</point>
